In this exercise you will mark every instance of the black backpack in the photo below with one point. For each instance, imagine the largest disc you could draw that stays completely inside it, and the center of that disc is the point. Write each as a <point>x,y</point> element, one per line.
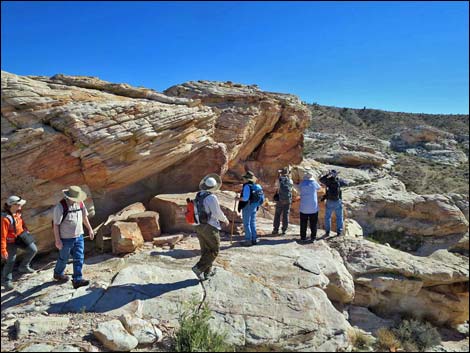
<point>333,191</point>
<point>285,189</point>
<point>200,211</point>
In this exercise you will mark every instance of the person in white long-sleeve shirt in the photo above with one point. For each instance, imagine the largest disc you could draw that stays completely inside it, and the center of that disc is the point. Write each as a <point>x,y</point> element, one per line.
<point>208,225</point>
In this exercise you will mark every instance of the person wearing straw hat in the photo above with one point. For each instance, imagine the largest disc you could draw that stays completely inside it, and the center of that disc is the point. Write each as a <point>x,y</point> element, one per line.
<point>252,198</point>
<point>208,215</point>
<point>15,234</point>
<point>308,206</point>
<point>68,218</point>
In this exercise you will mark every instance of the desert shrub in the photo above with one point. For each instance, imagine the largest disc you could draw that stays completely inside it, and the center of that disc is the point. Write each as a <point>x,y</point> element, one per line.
<point>418,335</point>
<point>386,340</point>
<point>194,333</point>
<point>360,340</point>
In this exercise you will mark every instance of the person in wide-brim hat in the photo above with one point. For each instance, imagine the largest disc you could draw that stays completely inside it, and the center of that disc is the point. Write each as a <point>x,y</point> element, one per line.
<point>250,176</point>
<point>211,182</point>
<point>75,193</point>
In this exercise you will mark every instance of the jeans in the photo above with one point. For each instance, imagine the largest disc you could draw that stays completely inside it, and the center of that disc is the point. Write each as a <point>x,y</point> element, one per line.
<point>31,250</point>
<point>282,208</point>
<point>209,240</point>
<point>76,246</point>
<point>249,221</point>
<point>305,219</point>
<point>337,208</point>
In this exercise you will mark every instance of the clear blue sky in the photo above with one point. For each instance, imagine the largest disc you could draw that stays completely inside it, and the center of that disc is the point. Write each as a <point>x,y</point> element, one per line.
<point>397,56</point>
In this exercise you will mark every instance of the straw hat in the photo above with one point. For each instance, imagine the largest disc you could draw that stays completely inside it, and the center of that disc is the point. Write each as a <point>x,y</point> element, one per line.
<point>211,182</point>
<point>250,176</point>
<point>75,193</point>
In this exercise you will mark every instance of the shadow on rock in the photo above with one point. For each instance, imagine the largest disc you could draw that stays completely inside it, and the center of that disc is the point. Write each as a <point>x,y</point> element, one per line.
<point>99,300</point>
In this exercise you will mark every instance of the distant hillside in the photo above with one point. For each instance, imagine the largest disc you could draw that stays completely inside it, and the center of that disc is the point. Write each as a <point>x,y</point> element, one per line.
<point>383,124</point>
<point>332,127</point>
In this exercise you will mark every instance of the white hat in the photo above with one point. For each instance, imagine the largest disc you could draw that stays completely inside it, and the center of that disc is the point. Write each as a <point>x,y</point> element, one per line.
<point>211,182</point>
<point>15,200</point>
<point>75,193</point>
<point>308,174</point>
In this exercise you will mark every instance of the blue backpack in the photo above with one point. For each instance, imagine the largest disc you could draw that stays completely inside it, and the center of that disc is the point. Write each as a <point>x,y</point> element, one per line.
<point>256,193</point>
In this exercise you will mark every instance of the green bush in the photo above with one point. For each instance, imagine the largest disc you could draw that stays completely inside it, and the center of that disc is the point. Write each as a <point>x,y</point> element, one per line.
<point>194,334</point>
<point>416,334</point>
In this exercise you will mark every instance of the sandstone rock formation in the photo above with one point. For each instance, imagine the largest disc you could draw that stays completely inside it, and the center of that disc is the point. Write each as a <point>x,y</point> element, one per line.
<point>386,206</point>
<point>125,144</point>
<point>391,281</point>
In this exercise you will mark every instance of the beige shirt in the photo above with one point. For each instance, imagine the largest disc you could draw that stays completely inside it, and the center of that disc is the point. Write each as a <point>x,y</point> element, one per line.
<point>72,225</point>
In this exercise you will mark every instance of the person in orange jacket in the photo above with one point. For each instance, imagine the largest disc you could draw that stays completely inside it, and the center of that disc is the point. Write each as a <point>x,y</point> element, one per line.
<point>15,234</point>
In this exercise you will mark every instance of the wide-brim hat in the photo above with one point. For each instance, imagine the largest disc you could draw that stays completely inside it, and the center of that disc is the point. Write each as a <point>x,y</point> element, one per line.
<point>75,193</point>
<point>211,182</point>
<point>308,174</point>
<point>249,176</point>
<point>15,200</point>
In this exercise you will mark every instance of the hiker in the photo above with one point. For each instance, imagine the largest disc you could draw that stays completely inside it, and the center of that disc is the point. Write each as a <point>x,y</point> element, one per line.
<point>251,198</point>
<point>283,199</point>
<point>15,234</point>
<point>69,216</point>
<point>209,215</point>
<point>308,206</point>
<point>333,199</point>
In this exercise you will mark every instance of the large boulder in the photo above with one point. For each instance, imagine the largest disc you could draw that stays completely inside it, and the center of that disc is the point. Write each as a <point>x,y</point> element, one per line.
<point>123,143</point>
<point>263,131</point>
<point>391,281</point>
<point>386,206</point>
<point>126,237</point>
<point>172,210</point>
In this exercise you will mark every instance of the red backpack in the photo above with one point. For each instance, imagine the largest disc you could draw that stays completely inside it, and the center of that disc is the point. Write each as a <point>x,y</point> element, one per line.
<point>190,219</point>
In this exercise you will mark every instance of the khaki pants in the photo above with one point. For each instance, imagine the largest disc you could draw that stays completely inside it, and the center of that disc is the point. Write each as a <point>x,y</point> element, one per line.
<point>209,239</point>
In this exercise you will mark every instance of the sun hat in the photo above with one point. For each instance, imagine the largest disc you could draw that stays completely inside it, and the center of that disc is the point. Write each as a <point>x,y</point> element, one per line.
<point>211,182</point>
<point>250,176</point>
<point>15,200</point>
<point>308,174</point>
<point>284,171</point>
<point>75,193</point>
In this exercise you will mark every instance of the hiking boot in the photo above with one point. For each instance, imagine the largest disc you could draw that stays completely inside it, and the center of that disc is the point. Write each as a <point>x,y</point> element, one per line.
<point>61,278</point>
<point>26,269</point>
<point>338,234</point>
<point>303,240</point>
<point>209,274</point>
<point>80,283</point>
<point>199,274</point>
<point>8,286</point>
<point>284,232</point>
<point>275,232</point>
<point>254,242</point>
<point>312,239</point>
<point>247,243</point>
<point>327,234</point>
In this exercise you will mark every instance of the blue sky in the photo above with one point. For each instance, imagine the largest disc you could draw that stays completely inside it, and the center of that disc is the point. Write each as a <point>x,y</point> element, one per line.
<point>396,56</point>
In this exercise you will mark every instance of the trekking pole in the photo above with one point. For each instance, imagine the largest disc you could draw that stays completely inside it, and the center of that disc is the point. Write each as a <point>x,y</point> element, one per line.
<point>233,221</point>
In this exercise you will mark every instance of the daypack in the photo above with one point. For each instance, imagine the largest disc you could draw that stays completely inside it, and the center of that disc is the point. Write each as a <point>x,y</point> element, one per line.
<point>333,191</point>
<point>256,193</point>
<point>189,215</point>
<point>200,214</point>
<point>65,211</point>
<point>285,189</point>
<point>11,219</point>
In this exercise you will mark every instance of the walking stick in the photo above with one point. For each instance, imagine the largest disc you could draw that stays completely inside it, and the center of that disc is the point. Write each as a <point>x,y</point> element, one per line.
<point>233,221</point>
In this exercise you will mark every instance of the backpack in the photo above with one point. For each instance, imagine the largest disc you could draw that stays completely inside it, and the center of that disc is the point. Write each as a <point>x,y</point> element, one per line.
<point>256,193</point>
<point>189,215</point>
<point>333,191</point>
<point>285,189</point>
<point>11,219</point>
<point>65,211</point>
<point>201,216</point>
